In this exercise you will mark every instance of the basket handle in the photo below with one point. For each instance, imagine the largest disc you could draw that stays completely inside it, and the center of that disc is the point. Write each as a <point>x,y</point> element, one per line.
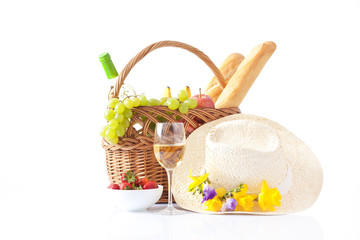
<point>120,81</point>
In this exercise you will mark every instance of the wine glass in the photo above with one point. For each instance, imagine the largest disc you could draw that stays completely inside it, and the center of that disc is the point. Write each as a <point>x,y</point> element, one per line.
<point>169,149</point>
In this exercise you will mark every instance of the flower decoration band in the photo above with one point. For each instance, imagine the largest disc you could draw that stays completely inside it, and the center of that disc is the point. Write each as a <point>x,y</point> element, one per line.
<point>198,182</point>
<point>235,199</point>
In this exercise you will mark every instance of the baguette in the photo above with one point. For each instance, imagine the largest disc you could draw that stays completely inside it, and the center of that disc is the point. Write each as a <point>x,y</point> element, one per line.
<point>227,68</point>
<point>240,83</point>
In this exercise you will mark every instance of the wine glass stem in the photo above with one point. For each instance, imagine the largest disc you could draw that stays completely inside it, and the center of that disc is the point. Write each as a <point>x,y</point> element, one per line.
<point>170,202</point>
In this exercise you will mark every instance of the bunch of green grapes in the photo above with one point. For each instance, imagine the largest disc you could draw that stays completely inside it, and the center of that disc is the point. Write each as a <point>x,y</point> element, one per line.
<point>183,102</point>
<point>118,116</point>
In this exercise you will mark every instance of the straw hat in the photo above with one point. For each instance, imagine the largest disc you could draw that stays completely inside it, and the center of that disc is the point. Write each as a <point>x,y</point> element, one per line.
<point>248,149</point>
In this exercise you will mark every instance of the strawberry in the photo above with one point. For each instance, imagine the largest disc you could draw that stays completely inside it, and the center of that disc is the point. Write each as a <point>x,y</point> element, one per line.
<point>150,185</point>
<point>137,181</point>
<point>126,186</point>
<point>123,178</point>
<point>128,177</point>
<point>113,186</point>
<point>138,187</point>
<point>143,181</point>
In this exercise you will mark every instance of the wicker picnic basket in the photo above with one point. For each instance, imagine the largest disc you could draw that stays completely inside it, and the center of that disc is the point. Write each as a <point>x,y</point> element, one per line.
<point>134,151</point>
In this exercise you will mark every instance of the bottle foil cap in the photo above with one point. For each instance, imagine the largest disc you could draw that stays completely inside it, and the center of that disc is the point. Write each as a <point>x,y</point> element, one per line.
<point>108,65</point>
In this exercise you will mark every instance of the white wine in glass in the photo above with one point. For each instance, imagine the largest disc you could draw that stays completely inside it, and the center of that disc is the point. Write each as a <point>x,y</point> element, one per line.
<point>169,149</point>
<point>169,156</point>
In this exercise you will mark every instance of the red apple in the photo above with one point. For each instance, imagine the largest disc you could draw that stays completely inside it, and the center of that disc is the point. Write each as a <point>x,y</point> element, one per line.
<point>204,101</point>
<point>190,128</point>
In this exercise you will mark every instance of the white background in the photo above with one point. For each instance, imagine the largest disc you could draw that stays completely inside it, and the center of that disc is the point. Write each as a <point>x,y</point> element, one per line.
<point>53,93</point>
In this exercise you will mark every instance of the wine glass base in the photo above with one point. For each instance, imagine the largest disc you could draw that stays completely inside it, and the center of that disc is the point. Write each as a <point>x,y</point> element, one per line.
<point>170,211</point>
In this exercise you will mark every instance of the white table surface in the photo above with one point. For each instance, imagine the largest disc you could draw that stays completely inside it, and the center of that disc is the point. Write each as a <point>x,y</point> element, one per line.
<point>82,213</point>
<point>202,226</point>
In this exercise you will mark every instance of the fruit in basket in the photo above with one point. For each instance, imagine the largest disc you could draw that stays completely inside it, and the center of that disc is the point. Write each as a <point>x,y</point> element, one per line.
<point>120,130</point>
<point>113,186</point>
<point>128,113</point>
<point>110,133</point>
<point>112,102</point>
<point>136,101</point>
<point>172,103</point>
<point>120,107</point>
<point>128,103</point>
<point>150,185</point>
<point>103,130</point>
<point>191,103</point>
<point>143,100</point>
<point>163,100</point>
<point>183,108</point>
<point>183,95</point>
<point>189,128</point>
<point>187,89</point>
<point>114,140</point>
<point>113,124</point>
<point>203,101</point>
<point>119,117</point>
<point>167,92</point>
<point>126,186</point>
<point>154,102</point>
<point>126,123</point>
<point>120,112</point>
<point>109,114</point>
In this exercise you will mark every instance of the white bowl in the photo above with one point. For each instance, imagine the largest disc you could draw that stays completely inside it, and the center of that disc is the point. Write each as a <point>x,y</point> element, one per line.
<point>137,200</point>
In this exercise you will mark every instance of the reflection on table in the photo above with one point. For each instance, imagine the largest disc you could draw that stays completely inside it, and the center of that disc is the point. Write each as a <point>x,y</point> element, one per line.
<point>148,225</point>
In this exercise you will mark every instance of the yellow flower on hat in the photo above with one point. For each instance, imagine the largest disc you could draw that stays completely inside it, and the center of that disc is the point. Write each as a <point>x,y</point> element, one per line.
<point>197,182</point>
<point>268,198</point>
<point>213,204</point>
<point>243,190</point>
<point>245,202</point>
<point>220,192</point>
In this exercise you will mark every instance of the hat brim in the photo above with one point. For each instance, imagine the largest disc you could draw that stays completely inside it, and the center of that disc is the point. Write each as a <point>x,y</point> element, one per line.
<point>305,168</point>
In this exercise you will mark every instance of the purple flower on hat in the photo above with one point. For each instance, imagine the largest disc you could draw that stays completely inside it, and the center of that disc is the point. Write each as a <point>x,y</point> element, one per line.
<point>209,193</point>
<point>231,204</point>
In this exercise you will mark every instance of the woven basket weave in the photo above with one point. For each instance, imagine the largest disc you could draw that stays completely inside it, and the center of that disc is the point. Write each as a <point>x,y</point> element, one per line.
<point>134,151</point>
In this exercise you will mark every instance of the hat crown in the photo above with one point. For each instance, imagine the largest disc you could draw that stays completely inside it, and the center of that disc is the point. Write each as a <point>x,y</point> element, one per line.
<point>244,151</point>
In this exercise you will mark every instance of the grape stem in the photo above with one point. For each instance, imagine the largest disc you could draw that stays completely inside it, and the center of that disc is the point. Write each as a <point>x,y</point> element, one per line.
<point>110,92</point>
<point>125,96</point>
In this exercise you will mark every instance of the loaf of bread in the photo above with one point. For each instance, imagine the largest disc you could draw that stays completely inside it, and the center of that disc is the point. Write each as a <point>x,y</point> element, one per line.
<point>227,68</point>
<point>245,75</point>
